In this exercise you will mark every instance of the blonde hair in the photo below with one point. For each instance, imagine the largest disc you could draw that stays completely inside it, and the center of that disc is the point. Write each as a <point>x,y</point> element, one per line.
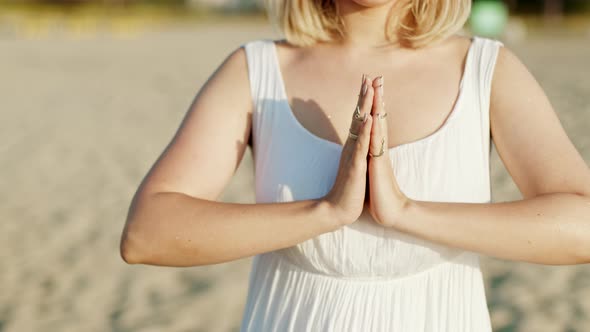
<point>412,23</point>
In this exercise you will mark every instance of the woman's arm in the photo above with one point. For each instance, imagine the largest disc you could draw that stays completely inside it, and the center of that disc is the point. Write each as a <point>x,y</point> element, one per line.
<point>551,225</point>
<point>174,219</point>
<point>174,229</point>
<point>545,229</point>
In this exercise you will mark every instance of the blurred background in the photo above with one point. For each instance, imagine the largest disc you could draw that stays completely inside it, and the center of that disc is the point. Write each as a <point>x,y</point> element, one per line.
<point>91,92</point>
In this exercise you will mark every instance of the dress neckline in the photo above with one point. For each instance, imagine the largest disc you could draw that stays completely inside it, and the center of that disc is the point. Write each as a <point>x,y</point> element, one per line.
<point>337,146</point>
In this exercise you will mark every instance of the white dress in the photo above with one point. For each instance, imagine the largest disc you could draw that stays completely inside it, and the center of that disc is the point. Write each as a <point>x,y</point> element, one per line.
<point>365,277</point>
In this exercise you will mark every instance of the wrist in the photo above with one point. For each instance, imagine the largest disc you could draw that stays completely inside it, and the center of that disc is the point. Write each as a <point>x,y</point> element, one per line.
<point>404,210</point>
<point>327,215</point>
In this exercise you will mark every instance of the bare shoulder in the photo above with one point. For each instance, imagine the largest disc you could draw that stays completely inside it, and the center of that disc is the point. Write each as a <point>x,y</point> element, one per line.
<point>507,61</point>
<point>235,65</point>
<point>459,40</point>
<point>453,48</point>
<point>286,52</point>
<point>511,74</point>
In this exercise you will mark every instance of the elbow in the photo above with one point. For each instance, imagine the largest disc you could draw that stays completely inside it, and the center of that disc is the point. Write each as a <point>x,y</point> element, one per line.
<point>129,252</point>
<point>128,256</point>
<point>135,236</point>
<point>141,233</point>
<point>131,247</point>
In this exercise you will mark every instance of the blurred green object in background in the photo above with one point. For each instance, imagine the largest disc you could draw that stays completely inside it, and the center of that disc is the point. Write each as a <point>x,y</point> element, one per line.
<point>488,17</point>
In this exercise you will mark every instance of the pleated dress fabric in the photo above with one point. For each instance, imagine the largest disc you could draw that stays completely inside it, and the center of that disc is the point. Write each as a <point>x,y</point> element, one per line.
<point>366,277</point>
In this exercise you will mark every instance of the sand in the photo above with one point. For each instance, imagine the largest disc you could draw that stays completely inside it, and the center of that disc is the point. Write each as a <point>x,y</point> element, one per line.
<point>84,118</point>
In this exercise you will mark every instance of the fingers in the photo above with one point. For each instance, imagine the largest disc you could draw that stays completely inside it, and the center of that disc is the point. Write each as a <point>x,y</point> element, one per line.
<point>364,139</point>
<point>379,140</point>
<point>363,106</point>
<point>361,130</point>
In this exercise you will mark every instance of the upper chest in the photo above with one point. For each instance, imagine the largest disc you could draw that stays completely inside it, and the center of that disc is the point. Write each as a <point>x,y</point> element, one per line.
<point>420,88</point>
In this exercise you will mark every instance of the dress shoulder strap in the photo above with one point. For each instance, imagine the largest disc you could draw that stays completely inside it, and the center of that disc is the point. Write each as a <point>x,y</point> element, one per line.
<point>486,54</point>
<point>261,75</point>
<point>488,50</point>
<point>259,55</point>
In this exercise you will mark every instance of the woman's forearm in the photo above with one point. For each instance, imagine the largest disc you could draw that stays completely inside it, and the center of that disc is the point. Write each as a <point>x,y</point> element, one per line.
<point>173,229</point>
<point>547,229</point>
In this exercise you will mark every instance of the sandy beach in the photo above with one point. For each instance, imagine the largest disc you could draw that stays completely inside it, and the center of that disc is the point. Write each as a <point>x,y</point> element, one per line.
<point>84,118</point>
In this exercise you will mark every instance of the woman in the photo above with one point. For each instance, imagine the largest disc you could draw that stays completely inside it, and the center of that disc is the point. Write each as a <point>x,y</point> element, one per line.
<point>373,199</point>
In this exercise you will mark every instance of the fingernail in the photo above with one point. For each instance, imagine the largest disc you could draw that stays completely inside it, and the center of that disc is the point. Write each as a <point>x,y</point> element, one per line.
<point>362,85</point>
<point>380,80</point>
<point>365,86</point>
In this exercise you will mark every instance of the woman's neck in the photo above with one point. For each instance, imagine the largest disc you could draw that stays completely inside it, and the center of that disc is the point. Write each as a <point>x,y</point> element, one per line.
<point>364,26</point>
